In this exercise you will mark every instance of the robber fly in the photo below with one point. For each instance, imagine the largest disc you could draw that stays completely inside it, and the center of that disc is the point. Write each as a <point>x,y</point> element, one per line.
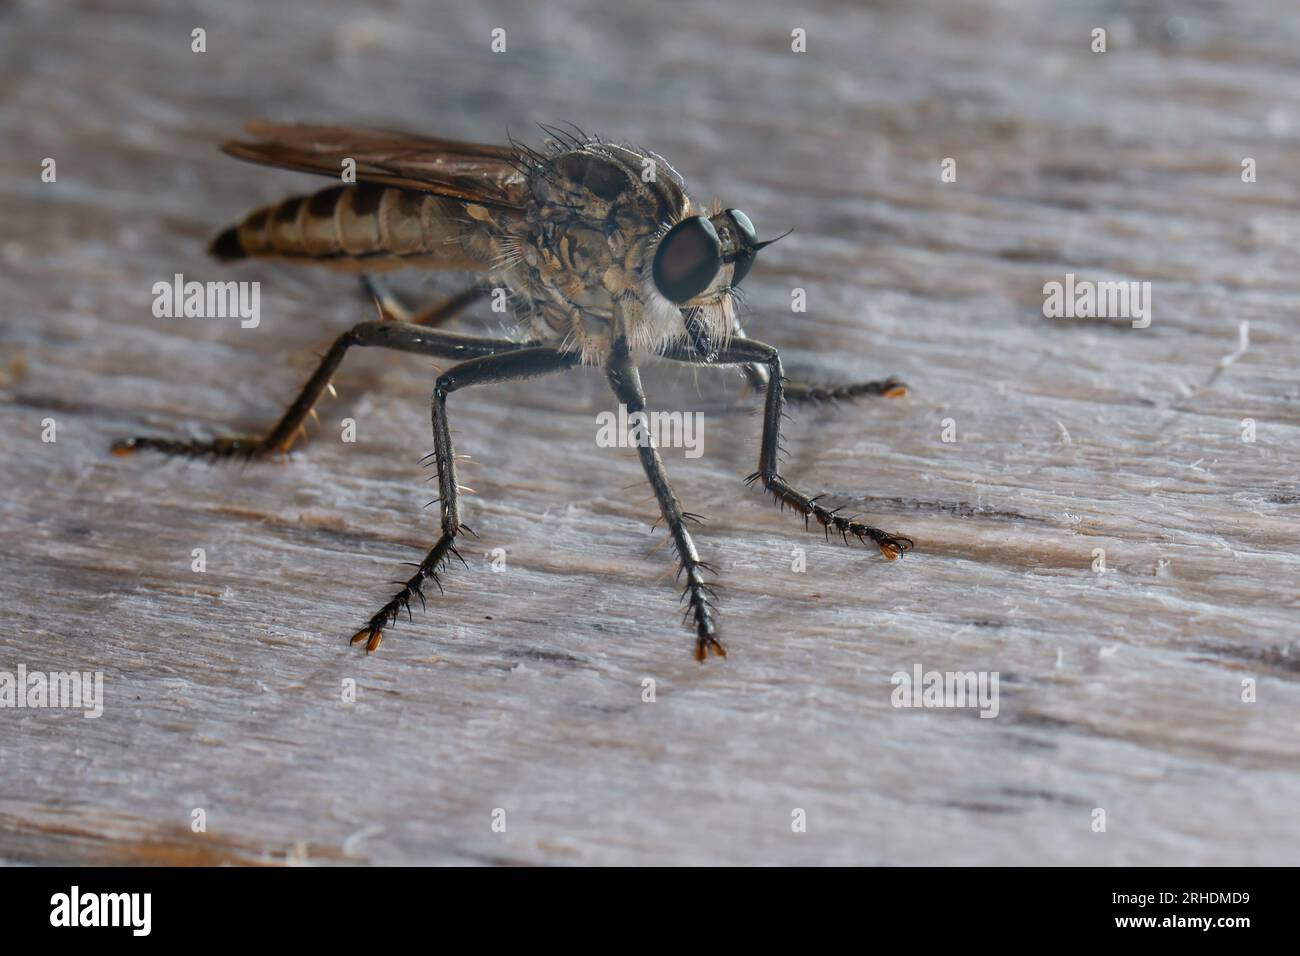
<point>604,263</point>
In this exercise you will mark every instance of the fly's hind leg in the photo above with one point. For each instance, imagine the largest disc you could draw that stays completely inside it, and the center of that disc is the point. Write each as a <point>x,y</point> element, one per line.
<point>756,373</point>
<point>391,307</point>
<point>485,370</point>
<point>626,383</point>
<point>390,335</point>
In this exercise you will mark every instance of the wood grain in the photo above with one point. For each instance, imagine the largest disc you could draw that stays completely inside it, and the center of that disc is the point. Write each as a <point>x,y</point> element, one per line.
<point>522,690</point>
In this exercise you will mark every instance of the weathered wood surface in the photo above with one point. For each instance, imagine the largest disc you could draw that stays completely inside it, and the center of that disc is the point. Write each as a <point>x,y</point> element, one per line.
<point>522,690</point>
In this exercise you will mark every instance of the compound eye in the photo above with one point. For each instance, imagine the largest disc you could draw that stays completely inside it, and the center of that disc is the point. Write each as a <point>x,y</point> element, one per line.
<point>748,239</point>
<point>687,260</point>
<point>748,234</point>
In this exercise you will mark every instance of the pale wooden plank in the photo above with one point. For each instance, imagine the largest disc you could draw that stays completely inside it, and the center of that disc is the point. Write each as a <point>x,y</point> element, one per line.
<point>522,690</point>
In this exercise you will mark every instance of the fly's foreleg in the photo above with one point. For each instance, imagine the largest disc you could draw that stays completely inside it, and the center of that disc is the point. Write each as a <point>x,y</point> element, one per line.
<point>748,351</point>
<point>390,335</point>
<point>626,383</point>
<point>518,364</point>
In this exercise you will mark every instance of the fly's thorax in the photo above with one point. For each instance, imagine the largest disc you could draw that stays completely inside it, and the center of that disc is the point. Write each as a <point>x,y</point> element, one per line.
<point>588,239</point>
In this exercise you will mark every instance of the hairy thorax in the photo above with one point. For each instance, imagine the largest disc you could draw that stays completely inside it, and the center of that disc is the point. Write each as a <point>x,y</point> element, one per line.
<point>578,259</point>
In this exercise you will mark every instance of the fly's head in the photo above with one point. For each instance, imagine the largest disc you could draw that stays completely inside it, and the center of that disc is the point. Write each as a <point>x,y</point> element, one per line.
<point>700,258</point>
<point>698,264</point>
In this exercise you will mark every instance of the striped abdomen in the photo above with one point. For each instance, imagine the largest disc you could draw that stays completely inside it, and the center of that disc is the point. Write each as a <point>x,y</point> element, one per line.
<point>362,226</point>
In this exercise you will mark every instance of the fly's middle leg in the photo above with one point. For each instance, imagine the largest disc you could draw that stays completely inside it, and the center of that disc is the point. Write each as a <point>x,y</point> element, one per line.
<point>390,335</point>
<point>756,374</point>
<point>510,366</point>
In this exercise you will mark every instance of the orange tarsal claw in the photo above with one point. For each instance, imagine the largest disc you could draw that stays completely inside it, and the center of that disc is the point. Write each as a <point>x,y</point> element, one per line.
<point>706,647</point>
<point>894,549</point>
<point>372,638</point>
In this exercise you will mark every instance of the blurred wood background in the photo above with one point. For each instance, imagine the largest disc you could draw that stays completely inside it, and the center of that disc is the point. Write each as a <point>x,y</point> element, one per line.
<point>522,690</point>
